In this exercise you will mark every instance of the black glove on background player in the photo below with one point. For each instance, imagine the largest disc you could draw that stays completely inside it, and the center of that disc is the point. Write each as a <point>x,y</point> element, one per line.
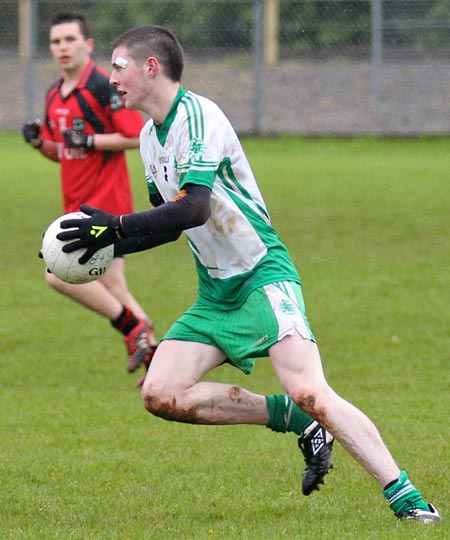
<point>78,139</point>
<point>31,133</point>
<point>98,231</point>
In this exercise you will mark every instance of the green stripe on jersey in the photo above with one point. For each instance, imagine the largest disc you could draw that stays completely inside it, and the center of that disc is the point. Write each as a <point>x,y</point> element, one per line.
<point>194,116</point>
<point>229,179</point>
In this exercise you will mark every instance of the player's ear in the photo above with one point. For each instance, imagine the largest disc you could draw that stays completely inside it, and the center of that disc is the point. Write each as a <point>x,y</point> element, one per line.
<point>91,44</point>
<point>151,66</point>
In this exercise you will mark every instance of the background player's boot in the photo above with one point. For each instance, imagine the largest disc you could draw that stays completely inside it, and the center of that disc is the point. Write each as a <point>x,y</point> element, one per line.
<point>139,346</point>
<point>316,445</point>
<point>407,502</point>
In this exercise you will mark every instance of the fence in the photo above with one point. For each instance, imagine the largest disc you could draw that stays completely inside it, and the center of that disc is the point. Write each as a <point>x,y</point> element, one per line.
<point>274,66</point>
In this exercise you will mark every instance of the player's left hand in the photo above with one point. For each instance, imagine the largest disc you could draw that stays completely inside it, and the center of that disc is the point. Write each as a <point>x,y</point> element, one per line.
<point>94,233</point>
<point>78,139</point>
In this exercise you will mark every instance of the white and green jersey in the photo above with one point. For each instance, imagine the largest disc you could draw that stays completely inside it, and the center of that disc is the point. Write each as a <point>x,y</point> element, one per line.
<point>236,250</point>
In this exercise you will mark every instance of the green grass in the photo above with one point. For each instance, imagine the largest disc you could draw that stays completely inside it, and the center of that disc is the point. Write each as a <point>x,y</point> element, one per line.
<point>367,221</point>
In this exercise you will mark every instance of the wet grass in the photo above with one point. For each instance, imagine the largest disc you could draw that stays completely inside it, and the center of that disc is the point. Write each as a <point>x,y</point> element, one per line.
<point>367,222</point>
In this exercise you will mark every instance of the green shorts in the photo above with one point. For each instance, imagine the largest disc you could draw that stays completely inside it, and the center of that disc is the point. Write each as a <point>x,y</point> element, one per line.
<point>269,314</point>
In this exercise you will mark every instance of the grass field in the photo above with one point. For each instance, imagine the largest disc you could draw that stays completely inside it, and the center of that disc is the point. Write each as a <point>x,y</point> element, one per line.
<point>367,221</point>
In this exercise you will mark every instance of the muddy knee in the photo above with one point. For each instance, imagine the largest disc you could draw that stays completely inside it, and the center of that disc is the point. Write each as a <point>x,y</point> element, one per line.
<point>169,407</point>
<point>310,401</point>
<point>158,407</point>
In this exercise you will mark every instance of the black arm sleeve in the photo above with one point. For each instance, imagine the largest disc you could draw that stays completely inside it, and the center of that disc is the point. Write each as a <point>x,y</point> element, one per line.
<point>191,208</point>
<point>141,243</point>
<point>156,199</point>
<point>164,224</point>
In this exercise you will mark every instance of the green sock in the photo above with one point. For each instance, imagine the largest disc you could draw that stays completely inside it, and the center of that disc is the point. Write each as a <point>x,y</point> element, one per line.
<point>285,415</point>
<point>403,496</point>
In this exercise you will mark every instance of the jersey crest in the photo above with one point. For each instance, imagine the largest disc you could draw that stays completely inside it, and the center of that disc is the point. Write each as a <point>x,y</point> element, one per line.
<point>196,149</point>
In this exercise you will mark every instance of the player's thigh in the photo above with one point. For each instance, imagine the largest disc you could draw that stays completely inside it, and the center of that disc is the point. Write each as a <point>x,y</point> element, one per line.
<point>178,365</point>
<point>298,365</point>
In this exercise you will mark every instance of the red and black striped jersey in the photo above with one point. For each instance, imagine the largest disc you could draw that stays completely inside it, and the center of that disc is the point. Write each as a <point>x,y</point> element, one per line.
<point>92,177</point>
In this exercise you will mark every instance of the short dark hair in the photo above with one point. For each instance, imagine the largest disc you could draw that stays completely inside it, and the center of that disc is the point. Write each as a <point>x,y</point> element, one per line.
<point>151,40</point>
<point>67,17</point>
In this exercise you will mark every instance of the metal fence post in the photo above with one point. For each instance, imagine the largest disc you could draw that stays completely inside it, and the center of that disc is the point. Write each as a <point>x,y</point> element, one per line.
<point>377,53</point>
<point>258,59</point>
<point>28,40</point>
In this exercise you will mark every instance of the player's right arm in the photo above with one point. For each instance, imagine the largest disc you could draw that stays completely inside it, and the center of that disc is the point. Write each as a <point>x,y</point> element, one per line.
<point>164,223</point>
<point>139,231</point>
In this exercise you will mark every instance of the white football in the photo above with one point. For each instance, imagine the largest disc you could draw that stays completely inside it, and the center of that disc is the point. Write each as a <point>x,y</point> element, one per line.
<point>65,266</point>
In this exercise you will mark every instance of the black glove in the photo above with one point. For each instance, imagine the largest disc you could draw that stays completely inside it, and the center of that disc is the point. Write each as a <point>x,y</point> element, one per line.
<point>94,233</point>
<point>31,132</point>
<point>78,139</point>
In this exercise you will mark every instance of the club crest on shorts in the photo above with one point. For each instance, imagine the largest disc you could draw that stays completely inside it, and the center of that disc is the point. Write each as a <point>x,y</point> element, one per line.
<point>287,307</point>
